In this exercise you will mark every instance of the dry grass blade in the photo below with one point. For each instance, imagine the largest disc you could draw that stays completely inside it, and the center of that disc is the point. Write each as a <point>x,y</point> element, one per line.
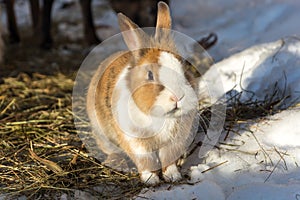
<point>51,165</point>
<point>213,167</point>
<point>276,165</point>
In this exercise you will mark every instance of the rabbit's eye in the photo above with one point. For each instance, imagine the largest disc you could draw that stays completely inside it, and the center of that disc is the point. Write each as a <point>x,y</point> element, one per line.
<point>150,76</point>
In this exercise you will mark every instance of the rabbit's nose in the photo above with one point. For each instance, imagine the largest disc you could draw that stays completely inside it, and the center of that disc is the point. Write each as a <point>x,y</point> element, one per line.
<point>175,98</point>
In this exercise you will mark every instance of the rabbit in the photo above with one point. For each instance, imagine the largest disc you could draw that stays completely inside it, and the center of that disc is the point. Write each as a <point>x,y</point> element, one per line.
<point>143,102</point>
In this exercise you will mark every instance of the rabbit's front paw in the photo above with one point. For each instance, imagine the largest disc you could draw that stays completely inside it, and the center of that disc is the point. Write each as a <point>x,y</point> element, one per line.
<point>171,174</point>
<point>150,178</point>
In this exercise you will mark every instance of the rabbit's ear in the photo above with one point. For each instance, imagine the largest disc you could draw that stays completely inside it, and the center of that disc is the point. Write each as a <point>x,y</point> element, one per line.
<point>133,35</point>
<point>164,21</point>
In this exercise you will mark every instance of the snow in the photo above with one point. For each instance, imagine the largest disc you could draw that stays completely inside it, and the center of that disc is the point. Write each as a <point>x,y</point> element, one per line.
<point>287,136</point>
<point>263,191</point>
<point>210,189</point>
<point>262,69</point>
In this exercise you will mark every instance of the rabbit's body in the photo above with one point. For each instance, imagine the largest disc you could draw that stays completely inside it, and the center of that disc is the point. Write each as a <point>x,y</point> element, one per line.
<point>143,103</point>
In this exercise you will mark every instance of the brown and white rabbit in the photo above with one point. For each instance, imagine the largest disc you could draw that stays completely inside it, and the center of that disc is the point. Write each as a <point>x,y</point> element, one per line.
<point>143,103</point>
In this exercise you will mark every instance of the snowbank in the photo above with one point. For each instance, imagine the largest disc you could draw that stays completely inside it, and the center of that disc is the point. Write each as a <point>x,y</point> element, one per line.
<point>264,71</point>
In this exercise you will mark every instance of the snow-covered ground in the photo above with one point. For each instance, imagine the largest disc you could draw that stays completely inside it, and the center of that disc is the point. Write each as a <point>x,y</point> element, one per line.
<point>262,160</point>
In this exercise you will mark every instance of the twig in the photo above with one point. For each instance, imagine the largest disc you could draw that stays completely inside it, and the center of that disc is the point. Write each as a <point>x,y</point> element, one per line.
<point>268,177</point>
<point>213,167</point>
<point>265,153</point>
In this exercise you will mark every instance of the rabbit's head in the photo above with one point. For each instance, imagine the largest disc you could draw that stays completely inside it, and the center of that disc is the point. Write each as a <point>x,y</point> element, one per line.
<point>157,78</point>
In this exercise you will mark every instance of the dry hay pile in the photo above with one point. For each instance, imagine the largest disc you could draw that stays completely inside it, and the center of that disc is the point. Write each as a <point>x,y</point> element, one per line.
<point>40,154</point>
